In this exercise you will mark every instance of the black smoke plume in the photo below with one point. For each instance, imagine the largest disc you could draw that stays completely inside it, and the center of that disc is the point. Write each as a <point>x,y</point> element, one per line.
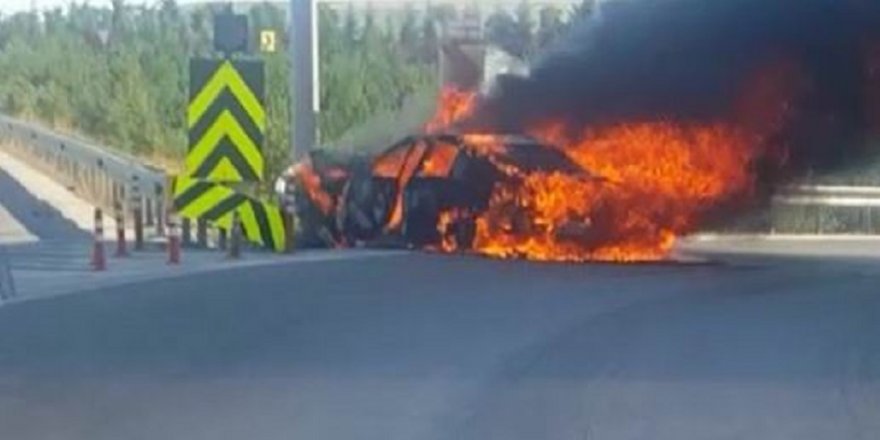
<point>687,60</point>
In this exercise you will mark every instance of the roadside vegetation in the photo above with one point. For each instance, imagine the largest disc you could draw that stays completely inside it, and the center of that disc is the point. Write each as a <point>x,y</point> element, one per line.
<point>119,74</point>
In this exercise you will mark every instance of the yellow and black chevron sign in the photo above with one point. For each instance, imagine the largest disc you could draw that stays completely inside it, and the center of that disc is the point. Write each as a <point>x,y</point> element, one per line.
<point>263,223</point>
<point>226,118</point>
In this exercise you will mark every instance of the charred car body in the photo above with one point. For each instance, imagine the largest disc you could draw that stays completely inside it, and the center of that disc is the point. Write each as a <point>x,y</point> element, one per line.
<point>397,198</point>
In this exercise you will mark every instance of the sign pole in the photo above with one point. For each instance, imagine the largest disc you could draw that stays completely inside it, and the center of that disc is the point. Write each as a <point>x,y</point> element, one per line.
<point>305,99</point>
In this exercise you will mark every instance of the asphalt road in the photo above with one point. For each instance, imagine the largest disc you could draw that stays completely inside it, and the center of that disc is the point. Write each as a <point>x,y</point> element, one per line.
<point>430,347</point>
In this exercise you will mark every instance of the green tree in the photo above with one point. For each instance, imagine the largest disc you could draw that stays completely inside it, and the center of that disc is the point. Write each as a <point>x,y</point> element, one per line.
<point>123,71</point>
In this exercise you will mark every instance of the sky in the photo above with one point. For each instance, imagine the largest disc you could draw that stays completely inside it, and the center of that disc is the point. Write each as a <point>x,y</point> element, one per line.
<point>12,6</point>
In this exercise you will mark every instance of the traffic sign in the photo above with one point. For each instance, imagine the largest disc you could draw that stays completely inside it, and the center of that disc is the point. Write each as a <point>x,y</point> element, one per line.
<point>268,42</point>
<point>227,120</point>
<point>230,32</point>
<point>262,222</point>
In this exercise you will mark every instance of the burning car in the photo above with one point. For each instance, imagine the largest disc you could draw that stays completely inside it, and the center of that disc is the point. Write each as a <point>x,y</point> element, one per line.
<point>426,191</point>
<point>616,193</point>
<point>626,151</point>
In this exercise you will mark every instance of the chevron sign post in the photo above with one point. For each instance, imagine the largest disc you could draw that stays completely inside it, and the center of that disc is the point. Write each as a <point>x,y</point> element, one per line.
<point>226,117</point>
<point>263,222</point>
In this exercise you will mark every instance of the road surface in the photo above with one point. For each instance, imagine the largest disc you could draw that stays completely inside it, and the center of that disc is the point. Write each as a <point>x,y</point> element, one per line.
<point>432,347</point>
<point>774,340</point>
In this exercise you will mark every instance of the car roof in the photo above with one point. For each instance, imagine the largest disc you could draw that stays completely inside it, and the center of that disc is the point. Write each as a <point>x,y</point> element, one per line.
<point>524,152</point>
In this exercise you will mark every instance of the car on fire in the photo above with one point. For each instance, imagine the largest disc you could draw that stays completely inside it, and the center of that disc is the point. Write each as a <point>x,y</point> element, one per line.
<point>400,198</point>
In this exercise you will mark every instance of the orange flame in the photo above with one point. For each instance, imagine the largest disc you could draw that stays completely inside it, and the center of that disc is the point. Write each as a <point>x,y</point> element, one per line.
<point>454,105</point>
<point>658,180</point>
<point>310,181</point>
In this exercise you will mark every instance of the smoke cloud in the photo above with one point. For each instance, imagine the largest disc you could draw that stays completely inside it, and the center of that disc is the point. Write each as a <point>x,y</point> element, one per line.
<point>689,60</point>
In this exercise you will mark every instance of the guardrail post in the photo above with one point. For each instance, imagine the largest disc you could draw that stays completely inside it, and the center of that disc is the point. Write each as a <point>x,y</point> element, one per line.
<point>99,259</point>
<point>202,233</point>
<point>78,182</point>
<point>68,172</point>
<point>95,182</point>
<point>186,232</point>
<point>109,190</point>
<point>137,213</point>
<point>289,231</point>
<point>161,214</point>
<point>88,178</point>
<point>235,239</point>
<point>149,212</point>
<point>121,245</point>
<point>99,186</point>
<point>222,238</point>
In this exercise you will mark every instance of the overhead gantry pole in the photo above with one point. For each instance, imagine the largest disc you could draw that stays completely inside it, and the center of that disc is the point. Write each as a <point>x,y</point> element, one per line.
<point>305,97</point>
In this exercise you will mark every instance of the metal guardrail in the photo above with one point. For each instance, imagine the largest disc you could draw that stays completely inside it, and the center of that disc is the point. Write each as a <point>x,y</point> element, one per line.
<point>95,173</point>
<point>842,196</point>
<point>825,210</point>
